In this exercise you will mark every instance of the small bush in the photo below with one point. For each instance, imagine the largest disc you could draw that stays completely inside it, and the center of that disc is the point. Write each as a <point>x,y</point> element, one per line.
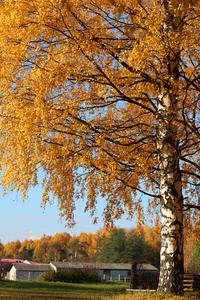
<point>72,275</point>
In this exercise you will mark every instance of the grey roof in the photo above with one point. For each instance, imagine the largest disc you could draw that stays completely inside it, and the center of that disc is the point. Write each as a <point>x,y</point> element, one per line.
<point>30,267</point>
<point>101,266</point>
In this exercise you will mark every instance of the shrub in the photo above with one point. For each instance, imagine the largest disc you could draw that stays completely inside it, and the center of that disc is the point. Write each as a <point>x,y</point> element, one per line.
<point>72,275</point>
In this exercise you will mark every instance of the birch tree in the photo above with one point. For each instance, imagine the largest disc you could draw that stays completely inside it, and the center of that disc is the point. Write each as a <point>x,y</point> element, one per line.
<point>103,97</point>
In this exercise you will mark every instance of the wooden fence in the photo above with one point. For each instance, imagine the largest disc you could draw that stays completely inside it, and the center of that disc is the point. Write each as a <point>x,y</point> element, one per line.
<point>191,282</point>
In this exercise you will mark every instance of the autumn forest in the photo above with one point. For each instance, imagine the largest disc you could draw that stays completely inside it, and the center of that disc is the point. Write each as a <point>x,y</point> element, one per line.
<point>114,245</point>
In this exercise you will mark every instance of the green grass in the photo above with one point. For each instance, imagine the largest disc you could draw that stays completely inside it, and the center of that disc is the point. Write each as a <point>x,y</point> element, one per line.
<point>58,290</point>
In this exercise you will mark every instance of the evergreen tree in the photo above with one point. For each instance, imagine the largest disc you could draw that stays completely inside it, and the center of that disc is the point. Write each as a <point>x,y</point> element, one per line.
<point>136,248</point>
<point>116,246</point>
<point>26,254</point>
<point>197,256</point>
<point>101,248</point>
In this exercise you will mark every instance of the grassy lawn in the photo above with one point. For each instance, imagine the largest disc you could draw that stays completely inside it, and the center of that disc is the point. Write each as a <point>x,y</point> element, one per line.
<point>57,290</point>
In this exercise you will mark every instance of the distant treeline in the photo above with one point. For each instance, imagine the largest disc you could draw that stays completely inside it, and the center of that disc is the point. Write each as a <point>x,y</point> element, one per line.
<point>114,245</point>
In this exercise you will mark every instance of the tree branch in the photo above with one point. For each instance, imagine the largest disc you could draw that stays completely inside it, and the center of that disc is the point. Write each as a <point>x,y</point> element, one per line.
<point>190,206</point>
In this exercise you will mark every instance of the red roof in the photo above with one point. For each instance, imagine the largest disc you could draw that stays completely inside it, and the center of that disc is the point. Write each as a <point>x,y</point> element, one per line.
<point>14,260</point>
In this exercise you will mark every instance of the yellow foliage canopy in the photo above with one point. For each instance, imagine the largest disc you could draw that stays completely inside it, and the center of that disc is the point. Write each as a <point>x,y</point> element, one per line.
<point>80,83</point>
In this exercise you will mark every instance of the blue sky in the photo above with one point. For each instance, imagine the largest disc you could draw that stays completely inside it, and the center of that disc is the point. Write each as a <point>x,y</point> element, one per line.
<point>21,220</point>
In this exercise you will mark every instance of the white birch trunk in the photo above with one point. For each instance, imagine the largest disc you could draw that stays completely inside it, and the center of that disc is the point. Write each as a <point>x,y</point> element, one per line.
<point>171,254</point>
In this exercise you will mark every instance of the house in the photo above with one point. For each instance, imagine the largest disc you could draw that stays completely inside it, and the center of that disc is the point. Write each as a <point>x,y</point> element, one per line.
<point>24,271</point>
<point>109,271</point>
<point>7,263</point>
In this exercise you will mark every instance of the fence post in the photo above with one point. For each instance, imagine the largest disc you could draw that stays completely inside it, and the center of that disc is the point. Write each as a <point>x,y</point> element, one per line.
<point>119,277</point>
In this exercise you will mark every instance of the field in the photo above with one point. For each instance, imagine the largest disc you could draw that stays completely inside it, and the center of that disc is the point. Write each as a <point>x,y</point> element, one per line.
<point>56,290</point>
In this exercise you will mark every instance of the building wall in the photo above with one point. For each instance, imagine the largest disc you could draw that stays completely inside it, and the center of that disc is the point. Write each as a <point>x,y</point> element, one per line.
<point>23,275</point>
<point>28,275</point>
<point>114,275</point>
<point>12,274</point>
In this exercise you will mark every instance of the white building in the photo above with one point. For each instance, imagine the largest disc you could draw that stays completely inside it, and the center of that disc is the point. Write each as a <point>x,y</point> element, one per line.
<point>27,271</point>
